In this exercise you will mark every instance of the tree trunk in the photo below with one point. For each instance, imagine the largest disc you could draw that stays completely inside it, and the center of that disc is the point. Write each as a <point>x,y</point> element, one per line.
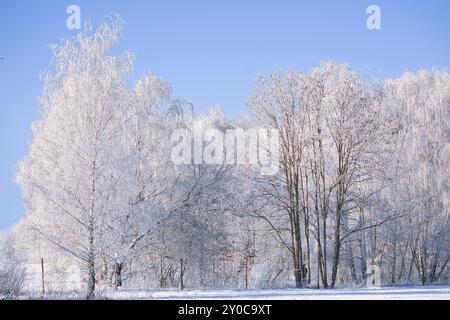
<point>118,267</point>
<point>91,267</point>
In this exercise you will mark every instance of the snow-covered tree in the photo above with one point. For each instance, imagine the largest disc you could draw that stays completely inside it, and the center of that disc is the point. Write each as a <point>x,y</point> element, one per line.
<point>362,177</point>
<point>71,175</point>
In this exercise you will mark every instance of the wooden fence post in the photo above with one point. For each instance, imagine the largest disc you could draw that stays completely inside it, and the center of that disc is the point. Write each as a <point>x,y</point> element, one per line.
<point>42,275</point>
<point>181,274</point>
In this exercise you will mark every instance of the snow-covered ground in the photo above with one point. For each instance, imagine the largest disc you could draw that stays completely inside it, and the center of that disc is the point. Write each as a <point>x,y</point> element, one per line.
<point>386,293</point>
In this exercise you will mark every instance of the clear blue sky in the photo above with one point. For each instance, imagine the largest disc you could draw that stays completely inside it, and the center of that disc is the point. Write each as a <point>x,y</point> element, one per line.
<point>210,51</point>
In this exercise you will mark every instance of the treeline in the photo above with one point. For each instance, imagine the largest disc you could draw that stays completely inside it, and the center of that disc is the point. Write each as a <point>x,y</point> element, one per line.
<point>362,182</point>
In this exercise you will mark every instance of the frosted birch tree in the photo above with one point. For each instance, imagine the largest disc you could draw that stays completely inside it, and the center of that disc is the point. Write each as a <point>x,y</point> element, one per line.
<point>422,101</point>
<point>70,175</point>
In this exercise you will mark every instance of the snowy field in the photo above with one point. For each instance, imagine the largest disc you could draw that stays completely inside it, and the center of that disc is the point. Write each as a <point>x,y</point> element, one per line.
<point>386,293</point>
